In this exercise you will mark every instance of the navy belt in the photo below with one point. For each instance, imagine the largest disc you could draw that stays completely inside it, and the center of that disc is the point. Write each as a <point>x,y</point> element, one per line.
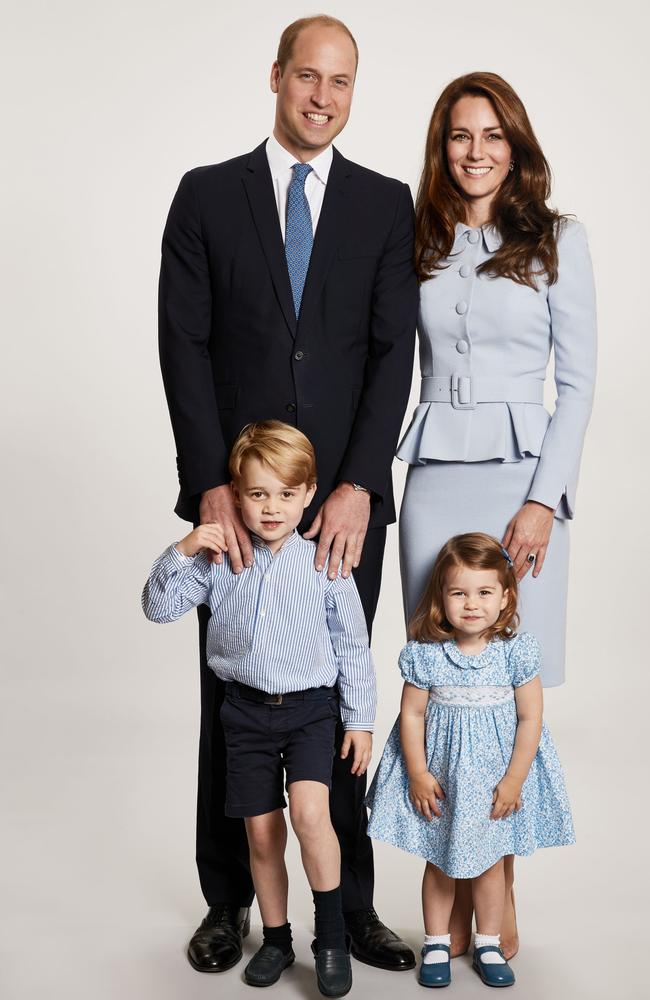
<point>263,697</point>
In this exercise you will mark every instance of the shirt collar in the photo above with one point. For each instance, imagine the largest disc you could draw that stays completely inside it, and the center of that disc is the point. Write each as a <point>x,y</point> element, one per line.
<point>259,543</point>
<point>281,160</point>
<point>490,233</point>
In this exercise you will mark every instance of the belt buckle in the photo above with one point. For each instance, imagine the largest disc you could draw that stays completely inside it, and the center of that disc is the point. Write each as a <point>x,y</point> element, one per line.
<point>457,389</point>
<point>273,699</point>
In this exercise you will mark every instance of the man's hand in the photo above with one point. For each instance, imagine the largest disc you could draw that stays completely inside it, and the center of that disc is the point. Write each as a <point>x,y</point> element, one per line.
<point>342,522</point>
<point>506,798</point>
<point>424,793</point>
<point>206,536</point>
<point>219,505</point>
<point>361,744</point>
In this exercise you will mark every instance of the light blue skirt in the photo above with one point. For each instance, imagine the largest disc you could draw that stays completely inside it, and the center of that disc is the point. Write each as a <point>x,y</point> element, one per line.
<point>442,499</point>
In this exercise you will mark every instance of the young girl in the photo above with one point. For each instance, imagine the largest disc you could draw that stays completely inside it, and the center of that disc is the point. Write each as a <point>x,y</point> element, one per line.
<point>469,773</point>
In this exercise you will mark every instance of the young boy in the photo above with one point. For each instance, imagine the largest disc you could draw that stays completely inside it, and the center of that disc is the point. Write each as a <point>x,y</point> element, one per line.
<point>292,647</point>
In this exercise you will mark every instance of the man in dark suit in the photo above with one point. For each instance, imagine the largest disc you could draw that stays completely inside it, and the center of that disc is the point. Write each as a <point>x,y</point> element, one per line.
<point>287,291</point>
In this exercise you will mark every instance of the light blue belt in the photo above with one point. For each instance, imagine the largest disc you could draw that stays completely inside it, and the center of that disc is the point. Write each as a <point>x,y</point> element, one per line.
<point>465,391</point>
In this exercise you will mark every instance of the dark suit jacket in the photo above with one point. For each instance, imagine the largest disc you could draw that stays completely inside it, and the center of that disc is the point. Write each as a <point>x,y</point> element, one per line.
<point>232,351</point>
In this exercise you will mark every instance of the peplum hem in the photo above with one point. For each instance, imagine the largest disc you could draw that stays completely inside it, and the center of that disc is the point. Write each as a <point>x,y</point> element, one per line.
<point>506,431</point>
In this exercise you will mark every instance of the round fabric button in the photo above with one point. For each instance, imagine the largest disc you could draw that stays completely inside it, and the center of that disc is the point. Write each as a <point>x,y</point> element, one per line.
<point>465,271</point>
<point>462,347</point>
<point>461,308</point>
<point>291,407</point>
<point>472,236</point>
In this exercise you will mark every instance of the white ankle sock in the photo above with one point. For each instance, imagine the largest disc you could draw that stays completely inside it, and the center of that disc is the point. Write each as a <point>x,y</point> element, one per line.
<point>438,955</point>
<point>490,957</point>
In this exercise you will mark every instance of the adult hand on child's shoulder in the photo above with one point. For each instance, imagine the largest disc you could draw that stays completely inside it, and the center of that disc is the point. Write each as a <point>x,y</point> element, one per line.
<point>506,798</point>
<point>206,536</point>
<point>361,744</point>
<point>425,793</point>
<point>342,523</point>
<point>218,505</point>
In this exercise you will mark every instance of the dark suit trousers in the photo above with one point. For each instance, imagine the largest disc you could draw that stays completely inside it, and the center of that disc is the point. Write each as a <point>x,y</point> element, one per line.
<point>221,846</point>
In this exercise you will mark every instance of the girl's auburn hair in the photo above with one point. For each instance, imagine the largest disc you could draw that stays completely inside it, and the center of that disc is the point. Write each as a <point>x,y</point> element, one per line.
<point>475,550</point>
<point>527,226</point>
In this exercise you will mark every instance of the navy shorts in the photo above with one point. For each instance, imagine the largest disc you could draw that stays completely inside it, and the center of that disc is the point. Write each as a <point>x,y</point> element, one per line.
<point>265,740</point>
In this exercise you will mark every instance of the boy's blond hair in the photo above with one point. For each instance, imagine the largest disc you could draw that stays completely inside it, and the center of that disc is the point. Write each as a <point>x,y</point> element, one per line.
<point>282,447</point>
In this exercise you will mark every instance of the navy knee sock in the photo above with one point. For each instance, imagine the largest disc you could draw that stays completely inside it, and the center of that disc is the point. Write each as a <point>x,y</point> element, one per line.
<point>280,937</point>
<point>328,918</point>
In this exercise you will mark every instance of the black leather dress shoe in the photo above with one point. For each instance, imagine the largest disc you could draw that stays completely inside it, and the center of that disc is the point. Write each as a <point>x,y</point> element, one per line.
<point>217,944</point>
<point>333,969</point>
<point>375,944</point>
<point>267,965</point>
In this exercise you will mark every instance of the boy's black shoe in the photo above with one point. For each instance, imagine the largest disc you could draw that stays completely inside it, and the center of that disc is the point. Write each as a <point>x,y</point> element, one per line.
<point>216,945</point>
<point>267,965</point>
<point>333,969</point>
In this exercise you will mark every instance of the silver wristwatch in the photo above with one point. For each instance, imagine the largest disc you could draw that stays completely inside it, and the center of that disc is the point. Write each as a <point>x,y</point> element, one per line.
<point>360,489</point>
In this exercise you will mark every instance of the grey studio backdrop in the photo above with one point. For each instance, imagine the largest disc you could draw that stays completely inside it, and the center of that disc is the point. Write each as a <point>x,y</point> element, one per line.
<point>106,107</point>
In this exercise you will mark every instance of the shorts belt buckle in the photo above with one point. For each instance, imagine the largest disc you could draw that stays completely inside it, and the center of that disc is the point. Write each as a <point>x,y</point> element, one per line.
<point>273,699</point>
<point>462,392</point>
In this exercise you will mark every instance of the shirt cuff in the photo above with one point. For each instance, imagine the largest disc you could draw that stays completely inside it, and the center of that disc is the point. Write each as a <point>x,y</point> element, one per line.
<point>178,558</point>
<point>362,727</point>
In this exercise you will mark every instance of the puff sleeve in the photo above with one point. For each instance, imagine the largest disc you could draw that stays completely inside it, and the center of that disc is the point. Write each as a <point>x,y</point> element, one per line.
<point>523,658</point>
<point>413,666</point>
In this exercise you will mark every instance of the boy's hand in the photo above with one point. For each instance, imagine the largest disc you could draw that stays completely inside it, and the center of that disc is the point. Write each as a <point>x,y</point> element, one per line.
<point>361,743</point>
<point>506,798</point>
<point>206,536</point>
<point>424,793</point>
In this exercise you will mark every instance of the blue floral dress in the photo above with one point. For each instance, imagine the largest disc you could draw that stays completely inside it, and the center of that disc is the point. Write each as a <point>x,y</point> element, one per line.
<point>470,727</point>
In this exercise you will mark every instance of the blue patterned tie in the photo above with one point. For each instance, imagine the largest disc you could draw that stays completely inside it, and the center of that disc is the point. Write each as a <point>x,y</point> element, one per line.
<point>299,237</point>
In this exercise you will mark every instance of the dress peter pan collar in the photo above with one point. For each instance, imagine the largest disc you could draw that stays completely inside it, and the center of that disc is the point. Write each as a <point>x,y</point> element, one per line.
<point>486,658</point>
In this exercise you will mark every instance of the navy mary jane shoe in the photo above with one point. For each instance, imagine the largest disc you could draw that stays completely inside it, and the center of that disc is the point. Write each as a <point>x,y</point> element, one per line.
<point>496,974</point>
<point>435,974</point>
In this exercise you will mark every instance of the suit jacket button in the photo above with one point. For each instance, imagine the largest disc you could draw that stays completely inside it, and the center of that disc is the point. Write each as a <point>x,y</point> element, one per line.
<point>299,355</point>
<point>462,346</point>
<point>291,407</point>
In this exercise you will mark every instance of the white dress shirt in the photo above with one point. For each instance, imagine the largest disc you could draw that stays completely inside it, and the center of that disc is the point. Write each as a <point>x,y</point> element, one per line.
<point>280,164</point>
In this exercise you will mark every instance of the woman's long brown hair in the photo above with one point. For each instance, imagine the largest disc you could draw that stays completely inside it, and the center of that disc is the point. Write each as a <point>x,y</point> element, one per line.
<point>528,227</point>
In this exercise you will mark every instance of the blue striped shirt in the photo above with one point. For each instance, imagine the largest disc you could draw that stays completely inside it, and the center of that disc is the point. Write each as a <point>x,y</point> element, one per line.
<point>278,626</point>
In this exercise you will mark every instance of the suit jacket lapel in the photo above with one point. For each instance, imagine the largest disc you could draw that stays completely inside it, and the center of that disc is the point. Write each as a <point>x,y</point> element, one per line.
<point>261,197</point>
<point>328,232</point>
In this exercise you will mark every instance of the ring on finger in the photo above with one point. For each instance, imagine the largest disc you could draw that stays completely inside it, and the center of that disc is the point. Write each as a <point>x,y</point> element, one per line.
<point>530,557</point>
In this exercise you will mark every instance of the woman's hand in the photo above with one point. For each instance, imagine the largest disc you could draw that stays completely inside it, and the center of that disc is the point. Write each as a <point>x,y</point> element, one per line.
<point>506,798</point>
<point>528,535</point>
<point>424,792</point>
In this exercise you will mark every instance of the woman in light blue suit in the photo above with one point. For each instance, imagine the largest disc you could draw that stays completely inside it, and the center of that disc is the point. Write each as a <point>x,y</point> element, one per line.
<point>504,279</point>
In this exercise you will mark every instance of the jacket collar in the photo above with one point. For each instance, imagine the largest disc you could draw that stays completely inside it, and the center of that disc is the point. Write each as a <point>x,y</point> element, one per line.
<point>490,234</point>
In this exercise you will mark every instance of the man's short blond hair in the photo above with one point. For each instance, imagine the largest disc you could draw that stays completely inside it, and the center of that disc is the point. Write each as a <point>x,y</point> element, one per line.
<point>285,449</point>
<point>291,32</point>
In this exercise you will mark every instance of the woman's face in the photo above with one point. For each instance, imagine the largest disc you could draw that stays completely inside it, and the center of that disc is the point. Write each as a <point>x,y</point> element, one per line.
<point>478,154</point>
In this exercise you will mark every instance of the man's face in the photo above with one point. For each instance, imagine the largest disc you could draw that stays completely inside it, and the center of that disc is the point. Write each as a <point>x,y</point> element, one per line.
<point>314,92</point>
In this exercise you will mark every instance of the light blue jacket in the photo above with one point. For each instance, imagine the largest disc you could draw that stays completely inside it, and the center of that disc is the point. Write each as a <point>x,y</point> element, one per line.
<point>485,343</point>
